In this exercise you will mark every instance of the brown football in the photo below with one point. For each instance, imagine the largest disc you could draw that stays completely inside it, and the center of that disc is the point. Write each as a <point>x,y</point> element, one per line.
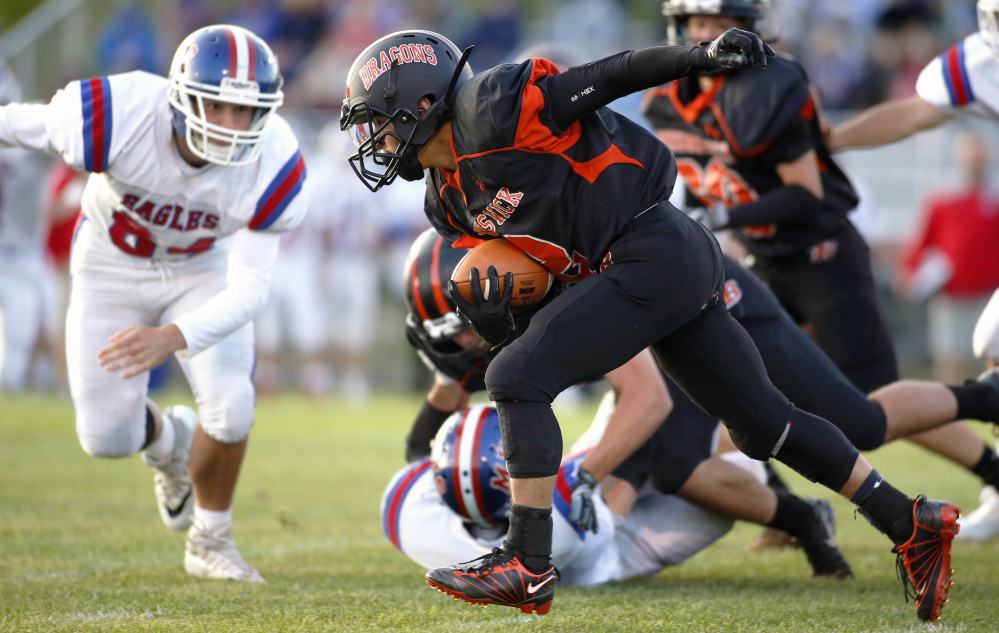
<point>531,280</point>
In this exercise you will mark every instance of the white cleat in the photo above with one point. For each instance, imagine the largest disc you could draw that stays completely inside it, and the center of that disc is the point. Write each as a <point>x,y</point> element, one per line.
<point>983,523</point>
<point>173,485</point>
<point>213,554</point>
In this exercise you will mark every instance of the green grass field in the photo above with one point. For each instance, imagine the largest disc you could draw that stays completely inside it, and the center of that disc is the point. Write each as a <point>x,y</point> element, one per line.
<point>82,547</point>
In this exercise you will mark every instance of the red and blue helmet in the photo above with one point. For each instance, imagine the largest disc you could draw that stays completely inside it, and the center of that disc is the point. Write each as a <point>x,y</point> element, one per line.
<point>224,63</point>
<point>469,466</point>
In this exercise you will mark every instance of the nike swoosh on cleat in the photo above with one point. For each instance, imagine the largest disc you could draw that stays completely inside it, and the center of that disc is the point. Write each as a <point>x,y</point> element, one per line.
<point>174,512</point>
<point>531,587</point>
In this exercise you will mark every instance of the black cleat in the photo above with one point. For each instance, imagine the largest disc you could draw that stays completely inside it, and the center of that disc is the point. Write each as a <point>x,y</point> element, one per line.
<point>497,578</point>
<point>924,560</point>
<point>818,539</point>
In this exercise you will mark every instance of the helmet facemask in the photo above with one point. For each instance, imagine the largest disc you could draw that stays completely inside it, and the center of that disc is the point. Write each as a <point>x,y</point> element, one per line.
<point>373,163</point>
<point>215,143</point>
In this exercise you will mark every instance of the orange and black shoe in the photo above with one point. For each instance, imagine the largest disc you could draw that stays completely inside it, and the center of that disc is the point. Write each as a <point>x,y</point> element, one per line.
<point>924,560</point>
<point>497,578</point>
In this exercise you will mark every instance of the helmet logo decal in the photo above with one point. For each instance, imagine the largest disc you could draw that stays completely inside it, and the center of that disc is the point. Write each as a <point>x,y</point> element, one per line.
<point>499,210</point>
<point>405,54</point>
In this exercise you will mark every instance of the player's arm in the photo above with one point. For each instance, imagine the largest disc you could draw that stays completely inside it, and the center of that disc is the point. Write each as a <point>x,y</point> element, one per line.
<point>251,259</point>
<point>642,403</point>
<point>584,89</point>
<point>887,123</point>
<point>445,397</point>
<point>800,196</point>
<point>23,125</point>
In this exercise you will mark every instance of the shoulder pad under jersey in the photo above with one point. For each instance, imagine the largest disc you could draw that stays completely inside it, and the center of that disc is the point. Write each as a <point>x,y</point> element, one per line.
<point>758,104</point>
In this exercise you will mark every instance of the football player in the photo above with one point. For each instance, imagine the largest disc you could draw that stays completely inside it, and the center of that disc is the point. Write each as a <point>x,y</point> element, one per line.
<point>193,179</point>
<point>526,152</point>
<point>23,269</point>
<point>962,80</point>
<point>681,462</point>
<point>750,152</point>
<point>438,511</point>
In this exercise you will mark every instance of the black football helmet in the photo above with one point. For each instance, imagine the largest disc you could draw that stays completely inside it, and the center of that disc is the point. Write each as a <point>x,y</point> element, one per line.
<point>748,12</point>
<point>431,320</point>
<point>384,86</point>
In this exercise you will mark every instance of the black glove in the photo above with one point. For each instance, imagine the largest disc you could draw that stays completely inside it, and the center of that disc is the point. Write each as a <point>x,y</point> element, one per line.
<point>582,511</point>
<point>735,49</point>
<point>490,316</point>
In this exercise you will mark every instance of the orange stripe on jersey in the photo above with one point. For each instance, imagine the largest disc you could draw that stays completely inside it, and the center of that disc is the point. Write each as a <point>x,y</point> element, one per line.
<point>738,151</point>
<point>467,241</point>
<point>531,134</point>
<point>808,110</point>
<point>591,169</point>
<point>692,110</point>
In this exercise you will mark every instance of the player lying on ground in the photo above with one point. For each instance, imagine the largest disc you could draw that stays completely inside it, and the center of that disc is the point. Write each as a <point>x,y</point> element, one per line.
<point>438,512</point>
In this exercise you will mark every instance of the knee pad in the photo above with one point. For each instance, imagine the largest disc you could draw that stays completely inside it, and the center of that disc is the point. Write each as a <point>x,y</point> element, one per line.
<point>509,379</point>
<point>227,414</point>
<point>868,430</point>
<point>111,431</point>
<point>532,439</point>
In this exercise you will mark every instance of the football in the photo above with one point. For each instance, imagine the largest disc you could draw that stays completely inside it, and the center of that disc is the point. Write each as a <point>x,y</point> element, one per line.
<point>531,280</point>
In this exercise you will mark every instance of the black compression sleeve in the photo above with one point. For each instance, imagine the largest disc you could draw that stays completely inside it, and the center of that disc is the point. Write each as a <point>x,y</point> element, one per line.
<point>425,427</point>
<point>775,207</point>
<point>583,89</point>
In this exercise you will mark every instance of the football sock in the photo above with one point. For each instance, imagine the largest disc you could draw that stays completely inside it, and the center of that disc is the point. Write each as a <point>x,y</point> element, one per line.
<point>976,401</point>
<point>160,451</point>
<point>150,429</point>
<point>792,513</point>
<point>530,536</point>
<point>988,467</point>
<point>885,507</point>
<point>210,519</point>
<point>773,479</point>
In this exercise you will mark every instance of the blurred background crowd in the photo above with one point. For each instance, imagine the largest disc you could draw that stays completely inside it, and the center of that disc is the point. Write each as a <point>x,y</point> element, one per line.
<point>333,326</point>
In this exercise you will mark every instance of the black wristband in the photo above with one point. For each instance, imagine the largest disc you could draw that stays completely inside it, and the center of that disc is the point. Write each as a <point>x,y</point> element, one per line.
<point>428,421</point>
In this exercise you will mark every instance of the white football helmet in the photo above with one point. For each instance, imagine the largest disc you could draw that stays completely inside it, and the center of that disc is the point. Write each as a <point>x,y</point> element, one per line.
<point>230,64</point>
<point>988,23</point>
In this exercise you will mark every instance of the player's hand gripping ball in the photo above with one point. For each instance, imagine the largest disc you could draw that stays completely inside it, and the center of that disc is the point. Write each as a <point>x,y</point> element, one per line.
<point>531,280</point>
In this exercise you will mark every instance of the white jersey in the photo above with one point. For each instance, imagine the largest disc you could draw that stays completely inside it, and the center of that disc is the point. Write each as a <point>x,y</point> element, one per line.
<point>141,193</point>
<point>965,78</point>
<point>22,190</point>
<point>144,202</point>
<point>420,525</point>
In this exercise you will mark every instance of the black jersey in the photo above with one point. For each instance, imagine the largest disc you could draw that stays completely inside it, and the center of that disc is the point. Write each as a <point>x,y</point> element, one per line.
<point>729,140</point>
<point>561,189</point>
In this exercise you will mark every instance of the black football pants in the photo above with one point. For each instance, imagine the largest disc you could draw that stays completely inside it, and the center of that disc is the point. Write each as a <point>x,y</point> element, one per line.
<point>664,291</point>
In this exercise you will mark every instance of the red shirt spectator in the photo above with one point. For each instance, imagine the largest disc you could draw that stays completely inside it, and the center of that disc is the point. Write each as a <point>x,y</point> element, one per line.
<point>965,229</point>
